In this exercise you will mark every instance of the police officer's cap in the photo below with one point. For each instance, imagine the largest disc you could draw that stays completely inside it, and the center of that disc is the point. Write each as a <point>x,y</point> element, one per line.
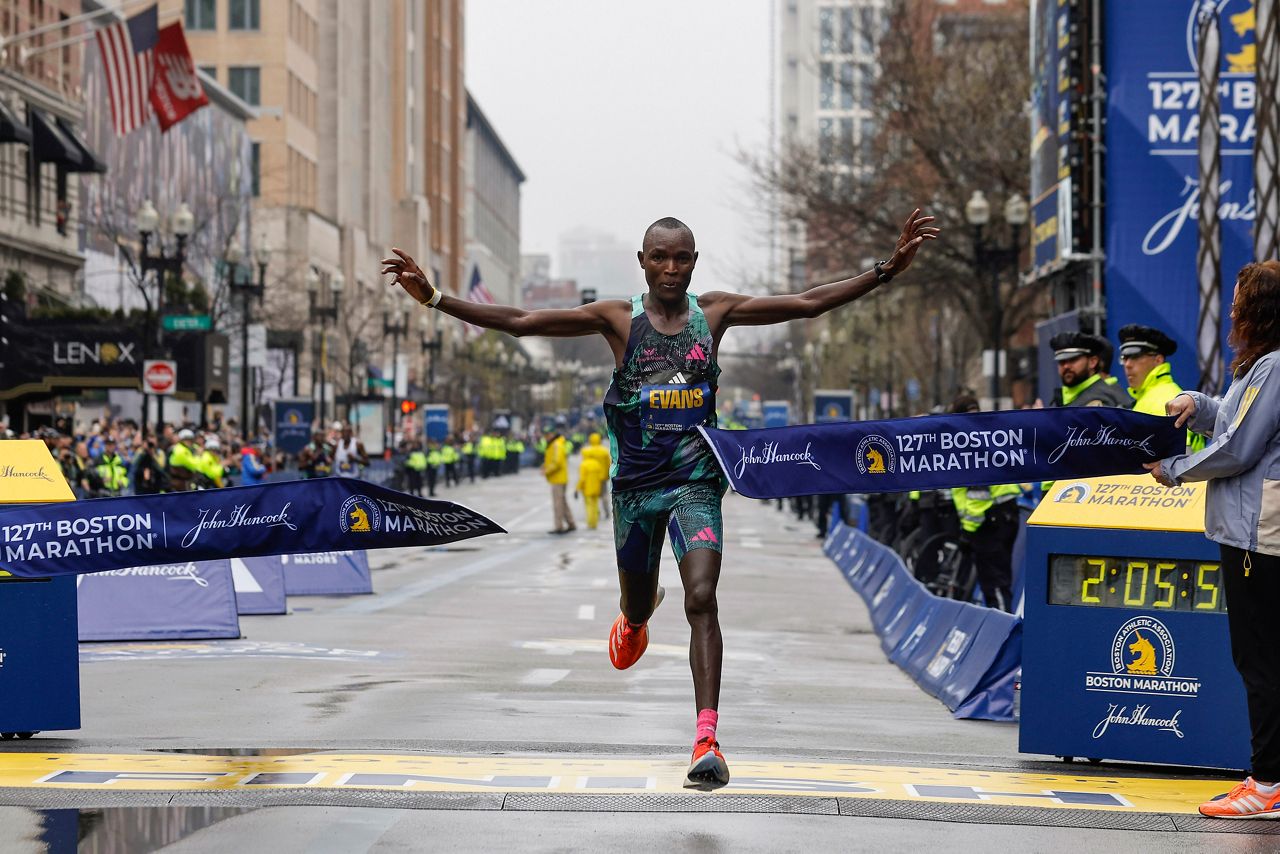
<point>1136,340</point>
<point>1070,345</point>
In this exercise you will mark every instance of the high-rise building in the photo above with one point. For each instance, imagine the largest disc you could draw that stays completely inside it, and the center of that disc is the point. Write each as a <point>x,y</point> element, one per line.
<point>493,208</point>
<point>358,147</point>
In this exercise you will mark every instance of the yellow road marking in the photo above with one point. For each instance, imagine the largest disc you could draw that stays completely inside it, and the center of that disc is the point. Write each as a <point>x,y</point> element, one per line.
<point>578,775</point>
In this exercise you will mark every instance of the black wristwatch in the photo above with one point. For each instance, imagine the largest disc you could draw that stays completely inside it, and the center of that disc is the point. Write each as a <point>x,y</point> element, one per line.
<point>882,275</point>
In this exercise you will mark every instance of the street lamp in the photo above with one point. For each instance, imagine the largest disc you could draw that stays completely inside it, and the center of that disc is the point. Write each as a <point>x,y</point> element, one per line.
<point>147,220</point>
<point>322,313</point>
<point>995,257</point>
<point>241,280</point>
<point>435,346</point>
<point>396,330</point>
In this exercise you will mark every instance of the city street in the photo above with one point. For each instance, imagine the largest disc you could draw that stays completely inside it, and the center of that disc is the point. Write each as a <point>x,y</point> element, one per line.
<point>479,670</point>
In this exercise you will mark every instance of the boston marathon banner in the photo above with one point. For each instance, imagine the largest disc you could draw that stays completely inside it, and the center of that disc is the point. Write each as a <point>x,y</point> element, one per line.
<point>941,451</point>
<point>325,514</point>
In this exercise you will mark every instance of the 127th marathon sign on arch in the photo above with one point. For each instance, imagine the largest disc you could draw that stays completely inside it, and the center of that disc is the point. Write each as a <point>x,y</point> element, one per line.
<point>941,451</point>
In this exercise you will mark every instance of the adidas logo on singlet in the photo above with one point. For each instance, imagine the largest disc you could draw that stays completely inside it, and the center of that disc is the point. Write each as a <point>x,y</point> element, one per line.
<point>678,379</point>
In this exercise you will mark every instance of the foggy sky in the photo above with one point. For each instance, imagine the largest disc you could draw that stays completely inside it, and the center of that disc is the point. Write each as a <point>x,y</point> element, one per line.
<point>623,111</point>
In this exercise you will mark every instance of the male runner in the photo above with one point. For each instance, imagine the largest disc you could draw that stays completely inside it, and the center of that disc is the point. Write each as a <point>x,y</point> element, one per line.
<point>665,477</point>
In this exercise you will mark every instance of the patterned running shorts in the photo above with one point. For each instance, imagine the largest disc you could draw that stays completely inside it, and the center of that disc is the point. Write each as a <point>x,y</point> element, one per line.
<point>689,511</point>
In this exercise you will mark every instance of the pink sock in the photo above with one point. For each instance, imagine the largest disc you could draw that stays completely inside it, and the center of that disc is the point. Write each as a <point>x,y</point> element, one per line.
<point>707,720</point>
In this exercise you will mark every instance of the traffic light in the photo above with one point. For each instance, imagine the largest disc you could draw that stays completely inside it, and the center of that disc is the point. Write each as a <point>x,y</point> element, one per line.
<point>408,406</point>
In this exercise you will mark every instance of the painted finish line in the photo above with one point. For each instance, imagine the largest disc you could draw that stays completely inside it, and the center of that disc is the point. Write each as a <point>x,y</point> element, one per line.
<point>579,775</point>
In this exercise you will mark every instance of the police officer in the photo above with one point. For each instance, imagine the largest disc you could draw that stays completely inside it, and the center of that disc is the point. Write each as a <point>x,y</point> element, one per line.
<point>989,527</point>
<point>469,457</point>
<point>1144,353</point>
<point>183,465</point>
<point>416,465</point>
<point>449,457</point>
<point>112,469</point>
<point>1079,358</point>
<point>432,472</point>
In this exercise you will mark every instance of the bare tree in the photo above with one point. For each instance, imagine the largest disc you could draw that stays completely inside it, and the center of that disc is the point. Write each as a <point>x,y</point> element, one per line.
<point>949,112</point>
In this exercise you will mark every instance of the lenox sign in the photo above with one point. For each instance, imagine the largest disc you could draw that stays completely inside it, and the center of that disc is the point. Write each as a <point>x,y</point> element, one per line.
<point>95,353</point>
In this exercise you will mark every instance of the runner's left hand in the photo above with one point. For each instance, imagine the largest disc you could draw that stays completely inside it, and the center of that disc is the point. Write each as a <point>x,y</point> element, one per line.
<point>915,231</point>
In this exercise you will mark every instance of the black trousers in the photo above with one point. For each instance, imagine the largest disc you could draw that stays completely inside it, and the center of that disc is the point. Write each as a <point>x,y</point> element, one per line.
<point>992,546</point>
<point>1253,601</point>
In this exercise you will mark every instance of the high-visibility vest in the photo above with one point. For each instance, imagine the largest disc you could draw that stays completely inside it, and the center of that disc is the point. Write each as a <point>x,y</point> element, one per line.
<point>112,470</point>
<point>973,502</point>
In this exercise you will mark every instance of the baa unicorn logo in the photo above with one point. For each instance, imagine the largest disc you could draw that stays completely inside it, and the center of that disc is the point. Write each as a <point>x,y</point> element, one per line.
<point>359,516</point>
<point>1143,647</point>
<point>1145,663</point>
<point>875,456</point>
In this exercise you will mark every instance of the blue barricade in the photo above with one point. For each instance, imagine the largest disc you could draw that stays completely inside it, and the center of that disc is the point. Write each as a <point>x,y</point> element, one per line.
<point>965,655</point>
<point>195,600</point>
<point>259,584</point>
<point>343,573</point>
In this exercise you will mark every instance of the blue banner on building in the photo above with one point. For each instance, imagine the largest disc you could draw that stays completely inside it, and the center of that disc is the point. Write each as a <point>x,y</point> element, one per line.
<point>176,601</point>
<point>942,451</point>
<point>259,583</point>
<point>293,424</point>
<point>344,573</point>
<point>325,514</point>
<point>1152,175</point>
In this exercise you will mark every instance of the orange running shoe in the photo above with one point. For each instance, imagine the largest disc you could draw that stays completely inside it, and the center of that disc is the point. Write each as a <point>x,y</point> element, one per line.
<point>1244,801</point>
<point>627,642</point>
<point>708,770</point>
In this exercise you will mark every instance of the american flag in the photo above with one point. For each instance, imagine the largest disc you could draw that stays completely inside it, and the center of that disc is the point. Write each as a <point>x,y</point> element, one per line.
<point>128,62</point>
<point>477,292</point>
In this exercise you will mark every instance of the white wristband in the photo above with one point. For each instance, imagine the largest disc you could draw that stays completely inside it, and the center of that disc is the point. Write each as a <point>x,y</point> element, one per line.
<point>436,296</point>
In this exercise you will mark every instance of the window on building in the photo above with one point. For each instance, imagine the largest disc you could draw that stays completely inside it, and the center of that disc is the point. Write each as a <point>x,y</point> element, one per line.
<point>243,81</point>
<point>210,70</point>
<point>867,32</point>
<point>846,30</point>
<point>201,15</point>
<point>846,85</point>
<point>846,140</point>
<point>826,141</point>
<point>826,30</point>
<point>243,15</point>
<point>255,168</point>
<point>827,80</point>
<point>865,83</point>
<point>867,142</point>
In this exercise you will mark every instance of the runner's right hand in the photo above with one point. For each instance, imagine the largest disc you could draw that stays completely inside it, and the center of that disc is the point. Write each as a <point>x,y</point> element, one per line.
<point>408,275</point>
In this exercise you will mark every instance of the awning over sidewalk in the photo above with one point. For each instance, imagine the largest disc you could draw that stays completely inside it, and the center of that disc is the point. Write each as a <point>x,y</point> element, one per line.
<point>57,141</point>
<point>11,128</point>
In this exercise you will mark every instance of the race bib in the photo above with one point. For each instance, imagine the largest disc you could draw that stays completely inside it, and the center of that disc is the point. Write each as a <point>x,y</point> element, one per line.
<point>674,407</point>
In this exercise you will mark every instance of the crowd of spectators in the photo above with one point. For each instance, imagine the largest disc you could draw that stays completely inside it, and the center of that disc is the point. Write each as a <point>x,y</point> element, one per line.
<point>112,456</point>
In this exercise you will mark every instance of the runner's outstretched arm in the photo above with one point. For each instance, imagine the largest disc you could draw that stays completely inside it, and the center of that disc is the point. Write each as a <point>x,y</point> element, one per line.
<point>744,310</point>
<point>555,322</point>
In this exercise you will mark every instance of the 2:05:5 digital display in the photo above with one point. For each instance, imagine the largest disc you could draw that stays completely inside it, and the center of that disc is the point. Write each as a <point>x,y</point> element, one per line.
<point>1106,581</point>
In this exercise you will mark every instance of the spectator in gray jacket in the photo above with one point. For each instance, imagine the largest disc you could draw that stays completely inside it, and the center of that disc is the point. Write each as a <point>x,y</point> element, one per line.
<point>1242,514</point>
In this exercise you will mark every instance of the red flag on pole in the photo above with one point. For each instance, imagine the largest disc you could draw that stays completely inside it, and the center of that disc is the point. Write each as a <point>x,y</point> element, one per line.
<point>175,91</point>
